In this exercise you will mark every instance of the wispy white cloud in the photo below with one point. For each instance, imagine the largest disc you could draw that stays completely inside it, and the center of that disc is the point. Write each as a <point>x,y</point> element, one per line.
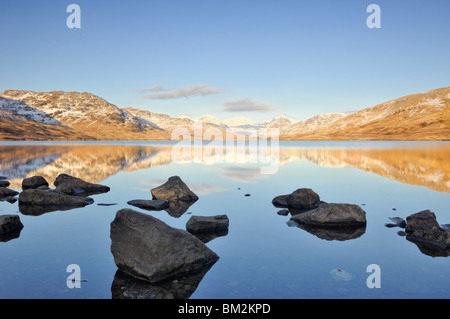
<point>156,87</point>
<point>188,91</point>
<point>246,104</point>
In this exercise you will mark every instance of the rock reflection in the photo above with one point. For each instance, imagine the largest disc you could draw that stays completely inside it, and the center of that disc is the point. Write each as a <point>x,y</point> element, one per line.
<point>430,249</point>
<point>10,235</point>
<point>178,208</point>
<point>125,286</point>
<point>38,210</point>
<point>331,233</point>
<point>207,237</point>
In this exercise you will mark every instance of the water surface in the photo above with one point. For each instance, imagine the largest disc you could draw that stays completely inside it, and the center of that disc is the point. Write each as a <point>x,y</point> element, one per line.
<point>263,255</point>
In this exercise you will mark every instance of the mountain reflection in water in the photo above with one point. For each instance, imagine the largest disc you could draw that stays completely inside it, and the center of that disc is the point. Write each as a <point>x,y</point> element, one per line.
<point>422,164</point>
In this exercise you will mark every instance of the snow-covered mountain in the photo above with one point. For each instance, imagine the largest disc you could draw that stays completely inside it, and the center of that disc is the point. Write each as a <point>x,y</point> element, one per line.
<point>423,116</point>
<point>28,115</point>
<point>91,116</point>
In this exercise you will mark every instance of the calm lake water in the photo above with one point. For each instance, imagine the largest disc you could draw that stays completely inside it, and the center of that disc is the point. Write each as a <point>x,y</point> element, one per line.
<point>263,255</point>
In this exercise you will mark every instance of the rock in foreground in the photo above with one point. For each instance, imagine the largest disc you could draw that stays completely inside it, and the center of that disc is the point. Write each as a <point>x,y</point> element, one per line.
<point>147,248</point>
<point>333,215</point>
<point>75,186</point>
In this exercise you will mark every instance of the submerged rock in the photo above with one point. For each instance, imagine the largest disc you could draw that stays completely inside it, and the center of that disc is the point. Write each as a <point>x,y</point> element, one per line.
<point>34,182</point>
<point>283,212</point>
<point>333,215</point>
<point>10,227</point>
<point>147,248</point>
<point>157,204</point>
<point>107,204</point>
<point>205,224</point>
<point>75,186</point>
<point>396,222</point>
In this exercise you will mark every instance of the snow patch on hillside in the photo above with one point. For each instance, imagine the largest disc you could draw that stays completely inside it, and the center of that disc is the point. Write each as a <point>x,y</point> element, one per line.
<point>20,108</point>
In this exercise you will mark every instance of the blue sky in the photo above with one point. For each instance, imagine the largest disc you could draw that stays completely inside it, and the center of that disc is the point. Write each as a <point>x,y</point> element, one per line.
<point>254,58</point>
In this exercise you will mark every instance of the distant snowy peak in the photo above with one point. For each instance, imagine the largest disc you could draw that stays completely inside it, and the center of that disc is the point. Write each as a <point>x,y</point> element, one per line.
<point>161,121</point>
<point>211,119</point>
<point>239,121</point>
<point>318,122</point>
<point>283,119</point>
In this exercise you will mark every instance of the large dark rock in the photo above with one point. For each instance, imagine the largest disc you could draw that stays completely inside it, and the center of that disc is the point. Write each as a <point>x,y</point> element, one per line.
<point>302,199</point>
<point>174,190</point>
<point>423,227</point>
<point>157,204</point>
<point>6,192</point>
<point>34,182</point>
<point>147,248</point>
<point>10,227</point>
<point>75,186</point>
<point>333,215</point>
<point>51,197</point>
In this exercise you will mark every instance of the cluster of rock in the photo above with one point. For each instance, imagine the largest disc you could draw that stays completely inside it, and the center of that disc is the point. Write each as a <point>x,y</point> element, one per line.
<point>330,221</point>
<point>38,198</point>
<point>70,192</point>
<point>155,260</point>
<point>423,229</point>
